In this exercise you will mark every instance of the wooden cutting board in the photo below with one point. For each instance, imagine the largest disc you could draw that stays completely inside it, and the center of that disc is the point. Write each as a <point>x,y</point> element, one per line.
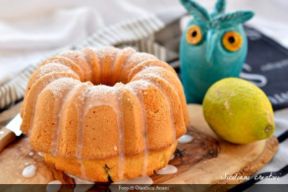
<point>205,160</point>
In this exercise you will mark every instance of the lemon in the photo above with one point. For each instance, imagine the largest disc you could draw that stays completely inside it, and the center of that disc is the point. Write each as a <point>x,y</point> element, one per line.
<point>238,111</point>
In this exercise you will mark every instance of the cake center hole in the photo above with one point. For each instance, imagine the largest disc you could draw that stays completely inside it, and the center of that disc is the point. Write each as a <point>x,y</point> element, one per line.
<point>108,79</point>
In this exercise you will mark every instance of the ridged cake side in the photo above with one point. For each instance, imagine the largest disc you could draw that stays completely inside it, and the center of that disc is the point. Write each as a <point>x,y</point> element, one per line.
<point>118,112</point>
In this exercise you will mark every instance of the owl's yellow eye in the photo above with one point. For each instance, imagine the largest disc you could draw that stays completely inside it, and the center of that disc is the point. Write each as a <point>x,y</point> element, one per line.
<point>194,35</point>
<point>232,41</point>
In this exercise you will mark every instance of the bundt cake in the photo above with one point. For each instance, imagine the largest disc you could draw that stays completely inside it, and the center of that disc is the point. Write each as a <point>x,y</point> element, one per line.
<point>105,114</point>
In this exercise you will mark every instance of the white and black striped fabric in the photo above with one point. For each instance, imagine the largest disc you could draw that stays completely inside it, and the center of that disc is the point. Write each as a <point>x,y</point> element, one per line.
<point>12,91</point>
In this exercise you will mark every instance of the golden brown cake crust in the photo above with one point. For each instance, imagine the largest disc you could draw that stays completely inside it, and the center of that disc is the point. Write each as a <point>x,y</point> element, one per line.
<point>104,170</point>
<point>112,108</point>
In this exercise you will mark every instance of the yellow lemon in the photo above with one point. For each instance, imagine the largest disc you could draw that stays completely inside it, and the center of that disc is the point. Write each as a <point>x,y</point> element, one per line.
<point>238,111</point>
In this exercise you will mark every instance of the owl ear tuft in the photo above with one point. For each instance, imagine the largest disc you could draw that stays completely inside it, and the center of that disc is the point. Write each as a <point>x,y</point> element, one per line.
<point>231,19</point>
<point>219,8</point>
<point>196,10</point>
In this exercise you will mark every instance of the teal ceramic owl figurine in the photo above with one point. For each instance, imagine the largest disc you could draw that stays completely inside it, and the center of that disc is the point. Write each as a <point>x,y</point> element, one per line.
<point>213,46</point>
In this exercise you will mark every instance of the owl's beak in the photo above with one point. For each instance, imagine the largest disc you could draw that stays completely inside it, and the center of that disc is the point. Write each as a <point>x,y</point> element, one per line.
<point>210,45</point>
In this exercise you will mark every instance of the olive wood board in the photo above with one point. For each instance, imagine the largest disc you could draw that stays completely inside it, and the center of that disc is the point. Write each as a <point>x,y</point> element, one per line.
<point>205,160</point>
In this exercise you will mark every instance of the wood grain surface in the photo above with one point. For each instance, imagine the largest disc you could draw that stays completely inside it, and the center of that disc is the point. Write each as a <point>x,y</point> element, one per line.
<point>205,160</point>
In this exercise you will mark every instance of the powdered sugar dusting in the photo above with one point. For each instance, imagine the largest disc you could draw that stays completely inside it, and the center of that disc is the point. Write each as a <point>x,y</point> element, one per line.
<point>156,71</point>
<point>141,56</point>
<point>139,84</point>
<point>101,95</point>
<point>53,67</point>
<point>137,58</point>
<point>59,86</point>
